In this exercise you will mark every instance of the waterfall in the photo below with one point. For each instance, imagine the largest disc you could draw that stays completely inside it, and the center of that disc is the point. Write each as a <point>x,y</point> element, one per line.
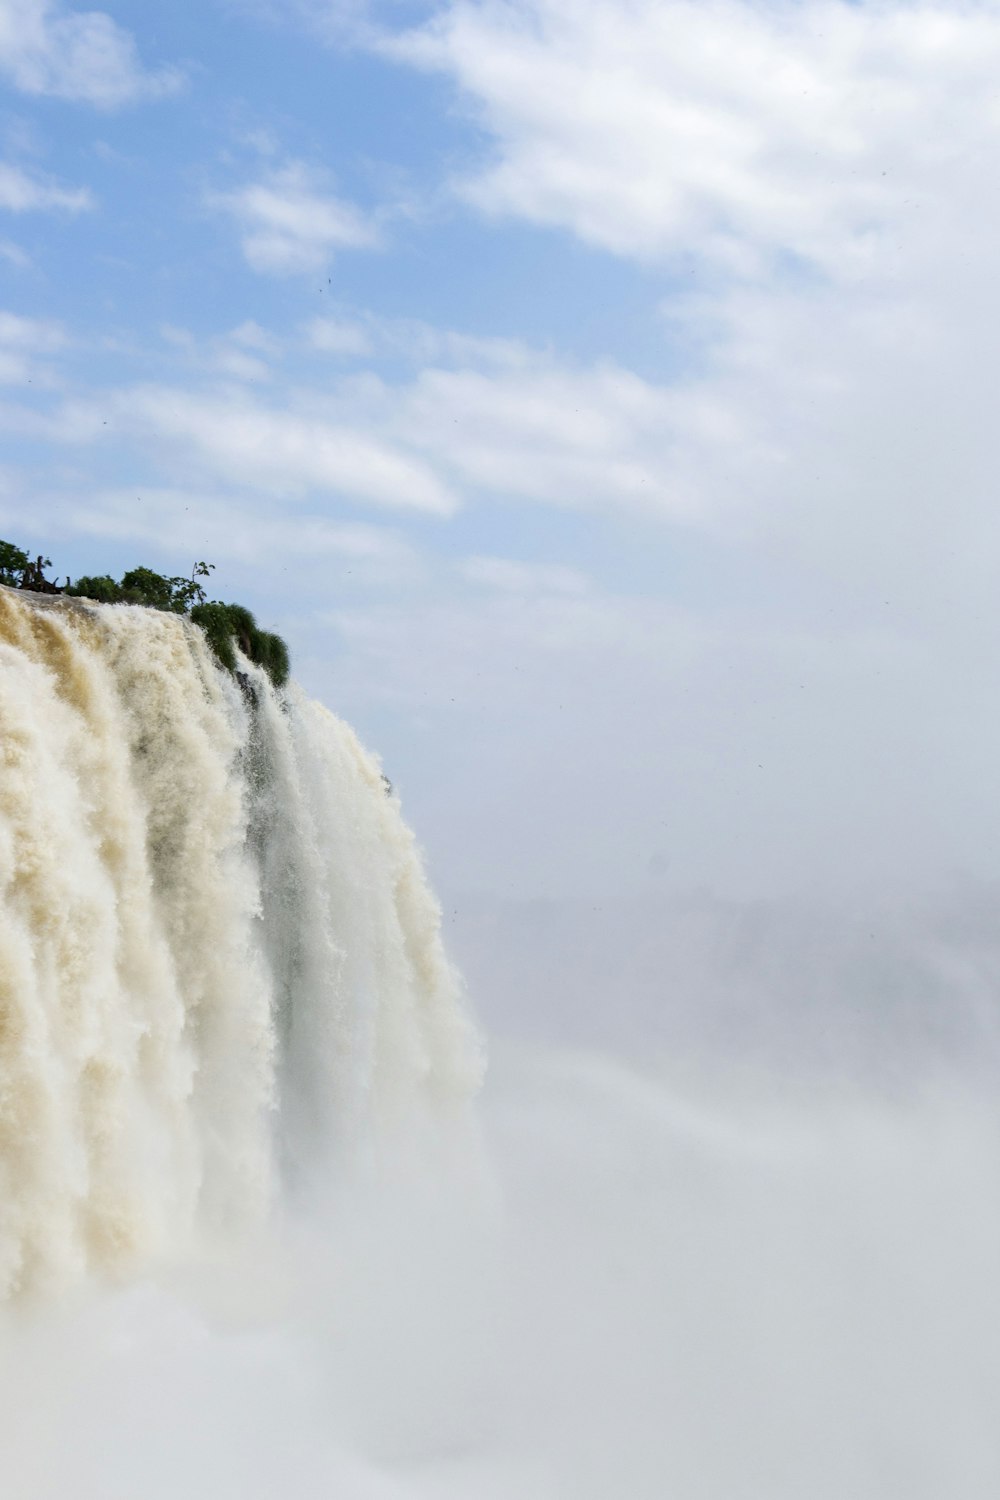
<point>220,963</point>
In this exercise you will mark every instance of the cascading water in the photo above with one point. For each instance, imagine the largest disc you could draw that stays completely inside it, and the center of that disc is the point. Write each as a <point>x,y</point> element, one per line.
<point>209,907</point>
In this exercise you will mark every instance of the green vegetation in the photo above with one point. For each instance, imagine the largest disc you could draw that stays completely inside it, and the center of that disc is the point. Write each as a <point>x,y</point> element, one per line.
<point>143,586</point>
<point>13,564</point>
<point>18,571</point>
<point>227,626</point>
<point>230,625</point>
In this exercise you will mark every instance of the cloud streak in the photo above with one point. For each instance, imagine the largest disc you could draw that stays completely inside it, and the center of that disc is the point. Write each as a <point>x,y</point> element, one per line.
<point>82,56</point>
<point>25,344</point>
<point>24,192</point>
<point>291,223</point>
<point>734,133</point>
<point>591,438</point>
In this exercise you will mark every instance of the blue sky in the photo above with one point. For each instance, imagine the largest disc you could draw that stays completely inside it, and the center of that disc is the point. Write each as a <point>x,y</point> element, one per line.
<point>597,393</point>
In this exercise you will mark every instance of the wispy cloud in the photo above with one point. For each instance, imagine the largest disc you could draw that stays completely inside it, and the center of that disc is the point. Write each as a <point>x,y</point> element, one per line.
<point>576,437</point>
<point>595,438</point>
<point>168,517</point>
<point>24,192</point>
<point>243,354</point>
<point>507,576</point>
<point>243,442</point>
<point>337,21</point>
<point>46,48</point>
<point>354,334</point>
<point>25,344</point>
<point>292,223</point>
<point>13,254</point>
<point>31,335</point>
<point>721,130</point>
<point>340,337</point>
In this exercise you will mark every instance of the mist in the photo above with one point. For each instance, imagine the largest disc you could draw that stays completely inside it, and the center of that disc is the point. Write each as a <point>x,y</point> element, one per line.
<point>729,1229</point>
<point>672,1281</point>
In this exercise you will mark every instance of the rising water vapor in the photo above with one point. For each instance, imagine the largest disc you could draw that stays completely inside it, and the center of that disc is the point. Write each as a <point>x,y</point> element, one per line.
<point>220,962</point>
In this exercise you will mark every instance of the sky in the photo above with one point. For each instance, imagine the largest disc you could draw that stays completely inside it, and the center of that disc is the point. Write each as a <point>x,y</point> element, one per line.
<point>599,395</point>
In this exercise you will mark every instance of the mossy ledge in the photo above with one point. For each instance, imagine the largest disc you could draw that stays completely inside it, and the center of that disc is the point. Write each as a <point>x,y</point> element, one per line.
<point>226,626</point>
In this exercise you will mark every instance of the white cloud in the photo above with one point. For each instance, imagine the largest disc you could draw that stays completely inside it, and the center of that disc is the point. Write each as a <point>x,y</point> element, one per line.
<point>723,129</point>
<point>14,255</point>
<point>240,441</point>
<point>838,427</point>
<point>416,342</point>
<point>590,437</point>
<point>793,435</point>
<point>338,336</point>
<point>285,452</point>
<point>523,578</point>
<point>32,335</point>
<point>251,335</point>
<point>239,365</point>
<point>21,192</point>
<point>242,354</point>
<point>24,343</point>
<point>423,344</point>
<point>169,518</point>
<point>333,21</point>
<point>292,224</point>
<point>46,48</point>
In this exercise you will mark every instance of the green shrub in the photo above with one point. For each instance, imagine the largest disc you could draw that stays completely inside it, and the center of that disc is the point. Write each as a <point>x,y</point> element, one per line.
<point>230,625</point>
<point>104,589</point>
<point>215,622</point>
<point>143,586</point>
<point>273,657</point>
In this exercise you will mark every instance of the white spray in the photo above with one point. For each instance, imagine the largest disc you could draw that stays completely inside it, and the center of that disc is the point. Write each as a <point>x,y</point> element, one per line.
<point>219,958</point>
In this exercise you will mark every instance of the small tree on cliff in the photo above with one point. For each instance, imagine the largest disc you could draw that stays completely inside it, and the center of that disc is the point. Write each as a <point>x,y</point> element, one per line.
<point>19,571</point>
<point>13,565</point>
